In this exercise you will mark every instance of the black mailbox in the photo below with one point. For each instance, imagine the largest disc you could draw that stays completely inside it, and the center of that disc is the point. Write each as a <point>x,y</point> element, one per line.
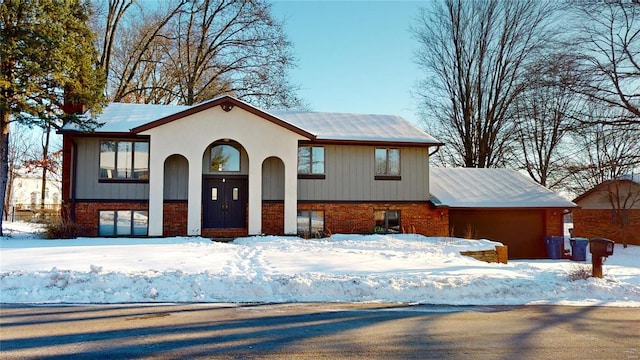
<point>601,247</point>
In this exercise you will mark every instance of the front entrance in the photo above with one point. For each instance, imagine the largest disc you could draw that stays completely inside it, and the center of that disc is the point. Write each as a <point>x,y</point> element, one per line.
<point>224,202</point>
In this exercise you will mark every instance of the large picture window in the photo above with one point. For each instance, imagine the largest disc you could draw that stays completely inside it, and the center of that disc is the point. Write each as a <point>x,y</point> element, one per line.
<point>387,163</point>
<point>124,160</point>
<point>225,158</point>
<point>123,223</point>
<point>310,223</point>
<point>387,221</point>
<point>311,161</point>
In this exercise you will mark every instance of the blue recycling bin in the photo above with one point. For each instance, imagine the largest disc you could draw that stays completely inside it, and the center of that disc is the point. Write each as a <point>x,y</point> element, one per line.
<point>555,246</point>
<point>579,248</point>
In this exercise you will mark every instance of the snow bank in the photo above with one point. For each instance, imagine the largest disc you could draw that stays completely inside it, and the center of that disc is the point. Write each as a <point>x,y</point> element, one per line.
<point>342,268</point>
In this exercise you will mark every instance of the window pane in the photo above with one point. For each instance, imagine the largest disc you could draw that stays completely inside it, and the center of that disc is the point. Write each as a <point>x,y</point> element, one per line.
<point>140,222</point>
<point>107,159</point>
<point>318,160</point>
<point>123,222</point>
<point>303,223</point>
<point>141,160</point>
<point>105,223</point>
<point>124,159</point>
<point>394,162</point>
<point>225,158</point>
<point>381,161</point>
<point>393,221</point>
<point>317,223</point>
<point>304,160</point>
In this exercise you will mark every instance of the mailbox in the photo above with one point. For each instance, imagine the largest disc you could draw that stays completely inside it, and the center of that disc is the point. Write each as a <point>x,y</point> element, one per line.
<point>601,247</point>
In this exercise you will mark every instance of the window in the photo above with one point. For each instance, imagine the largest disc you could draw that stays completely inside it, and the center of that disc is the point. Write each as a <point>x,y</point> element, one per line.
<point>124,160</point>
<point>123,223</point>
<point>225,158</point>
<point>387,221</point>
<point>310,223</point>
<point>311,162</point>
<point>387,164</point>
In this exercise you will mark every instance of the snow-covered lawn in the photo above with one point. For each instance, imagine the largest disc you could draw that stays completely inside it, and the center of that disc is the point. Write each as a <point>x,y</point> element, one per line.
<point>343,268</point>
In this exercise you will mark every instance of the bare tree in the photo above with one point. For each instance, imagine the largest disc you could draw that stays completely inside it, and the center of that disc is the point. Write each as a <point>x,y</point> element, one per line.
<point>21,145</point>
<point>609,34</point>
<point>190,51</point>
<point>474,55</point>
<point>545,114</point>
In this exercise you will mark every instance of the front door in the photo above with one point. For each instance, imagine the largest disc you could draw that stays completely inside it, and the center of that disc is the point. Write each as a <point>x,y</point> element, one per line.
<point>224,202</point>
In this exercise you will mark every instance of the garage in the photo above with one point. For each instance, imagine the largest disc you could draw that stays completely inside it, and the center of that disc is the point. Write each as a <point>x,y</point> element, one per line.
<point>501,205</point>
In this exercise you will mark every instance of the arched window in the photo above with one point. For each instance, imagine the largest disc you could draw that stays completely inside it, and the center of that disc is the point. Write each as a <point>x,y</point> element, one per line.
<point>225,158</point>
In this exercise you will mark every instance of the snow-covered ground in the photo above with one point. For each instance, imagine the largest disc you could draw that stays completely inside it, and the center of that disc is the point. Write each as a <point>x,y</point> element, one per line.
<point>343,268</point>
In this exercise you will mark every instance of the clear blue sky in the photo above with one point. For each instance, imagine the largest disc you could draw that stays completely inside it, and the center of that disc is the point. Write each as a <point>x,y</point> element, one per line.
<point>354,56</point>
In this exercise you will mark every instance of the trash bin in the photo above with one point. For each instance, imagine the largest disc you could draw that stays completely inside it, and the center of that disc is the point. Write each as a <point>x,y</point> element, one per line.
<point>555,246</point>
<point>579,248</point>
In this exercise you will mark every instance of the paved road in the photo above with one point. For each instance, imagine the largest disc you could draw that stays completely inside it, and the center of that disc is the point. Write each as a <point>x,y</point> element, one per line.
<point>292,331</point>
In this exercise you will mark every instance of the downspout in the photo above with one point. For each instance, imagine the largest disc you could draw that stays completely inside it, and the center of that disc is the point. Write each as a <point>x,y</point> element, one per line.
<point>436,150</point>
<point>72,180</point>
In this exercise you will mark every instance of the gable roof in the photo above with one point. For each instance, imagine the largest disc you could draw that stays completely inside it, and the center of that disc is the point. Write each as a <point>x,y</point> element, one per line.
<point>328,127</point>
<point>490,188</point>
<point>633,179</point>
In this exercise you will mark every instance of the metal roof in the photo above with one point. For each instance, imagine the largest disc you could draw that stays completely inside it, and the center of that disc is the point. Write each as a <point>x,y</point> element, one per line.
<point>123,117</point>
<point>490,188</point>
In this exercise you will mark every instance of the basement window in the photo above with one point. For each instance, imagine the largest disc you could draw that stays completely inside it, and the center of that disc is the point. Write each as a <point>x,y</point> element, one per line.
<point>387,222</point>
<point>310,223</point>
<point>123,223</point>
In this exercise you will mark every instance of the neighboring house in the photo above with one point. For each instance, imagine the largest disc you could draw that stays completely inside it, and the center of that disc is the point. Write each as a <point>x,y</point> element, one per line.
<point>224,168</point>
<point>501,205</point>
<point>603,210</point>
<point>25,200</point>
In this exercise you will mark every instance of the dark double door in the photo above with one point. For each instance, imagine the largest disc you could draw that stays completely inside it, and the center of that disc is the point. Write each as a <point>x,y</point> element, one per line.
<point>224,202</point>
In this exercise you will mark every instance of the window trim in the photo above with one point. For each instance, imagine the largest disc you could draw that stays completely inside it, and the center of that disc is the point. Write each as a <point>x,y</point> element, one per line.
<point>133,155</point>
<point>311,174</point>
<point>386,175</point>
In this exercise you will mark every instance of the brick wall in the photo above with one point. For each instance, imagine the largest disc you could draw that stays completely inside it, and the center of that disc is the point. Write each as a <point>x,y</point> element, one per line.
<point>592,223</point>
<point>358,218</point>
<point>86,214</point>
<point>175,218</point>
<point>273,218</point>
<point>554,222</point>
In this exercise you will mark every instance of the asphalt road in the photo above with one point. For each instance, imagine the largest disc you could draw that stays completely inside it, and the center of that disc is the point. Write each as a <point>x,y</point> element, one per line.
<point>331,331</point>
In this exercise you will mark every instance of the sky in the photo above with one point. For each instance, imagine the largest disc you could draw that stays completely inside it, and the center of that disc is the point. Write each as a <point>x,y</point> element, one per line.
<point>354,56</point>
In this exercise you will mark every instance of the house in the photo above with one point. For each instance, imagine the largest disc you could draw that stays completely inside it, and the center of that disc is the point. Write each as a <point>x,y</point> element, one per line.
<point>501,205</point>
<point>224,168</point>
<point>603,210</point>
<point>24,197</point>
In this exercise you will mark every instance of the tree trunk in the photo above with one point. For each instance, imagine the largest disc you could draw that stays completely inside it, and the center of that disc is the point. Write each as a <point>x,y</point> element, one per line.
<point>45,164</point>
<point>4,160</point>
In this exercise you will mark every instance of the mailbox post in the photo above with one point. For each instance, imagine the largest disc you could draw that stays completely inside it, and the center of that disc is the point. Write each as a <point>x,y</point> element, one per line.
<point>599,248</point>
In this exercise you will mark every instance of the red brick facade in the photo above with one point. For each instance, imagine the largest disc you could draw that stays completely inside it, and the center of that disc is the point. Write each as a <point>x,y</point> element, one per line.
<point>419,218</point>
<point>593,223</point>
<point>87,214</point>
<point>554,222</point>
<point>177,213</point>
<point>358,218</point>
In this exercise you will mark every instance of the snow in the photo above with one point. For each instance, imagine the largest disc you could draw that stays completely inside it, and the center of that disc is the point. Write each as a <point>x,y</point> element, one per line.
<point>122,117</point>
<point>343,268</point>
<point>490,188</point>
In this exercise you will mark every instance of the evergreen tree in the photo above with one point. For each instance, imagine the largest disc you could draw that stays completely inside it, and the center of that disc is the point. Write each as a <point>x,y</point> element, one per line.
<point>47,59</point>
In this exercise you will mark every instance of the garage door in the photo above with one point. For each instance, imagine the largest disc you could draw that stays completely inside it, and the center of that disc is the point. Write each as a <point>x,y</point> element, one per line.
<point>521,230</point>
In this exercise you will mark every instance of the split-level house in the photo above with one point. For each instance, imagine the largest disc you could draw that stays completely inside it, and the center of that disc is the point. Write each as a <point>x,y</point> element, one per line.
<point>224,168</point>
